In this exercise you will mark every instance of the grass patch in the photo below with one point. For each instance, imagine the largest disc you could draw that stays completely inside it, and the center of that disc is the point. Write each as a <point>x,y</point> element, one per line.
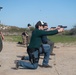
<point>55,38</point>
<point>62,38</point>
<point>13,38</point>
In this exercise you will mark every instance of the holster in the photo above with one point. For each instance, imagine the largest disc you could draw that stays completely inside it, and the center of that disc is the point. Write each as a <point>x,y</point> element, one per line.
<point>32,58</point>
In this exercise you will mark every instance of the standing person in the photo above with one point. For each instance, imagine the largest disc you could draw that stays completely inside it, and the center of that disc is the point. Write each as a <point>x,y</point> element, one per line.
<point>25,36</point>
<point>45,40</point>
<point>29,32</point>
<point>1,44</point>
<point>1,38</point>
<point>34,48</point>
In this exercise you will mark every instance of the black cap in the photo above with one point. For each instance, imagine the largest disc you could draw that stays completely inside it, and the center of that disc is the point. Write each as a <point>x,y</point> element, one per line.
<point>45,24</point>
<point>29,25</point>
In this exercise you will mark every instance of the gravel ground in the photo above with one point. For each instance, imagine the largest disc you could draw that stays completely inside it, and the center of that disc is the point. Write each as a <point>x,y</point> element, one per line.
<point>63,63</point>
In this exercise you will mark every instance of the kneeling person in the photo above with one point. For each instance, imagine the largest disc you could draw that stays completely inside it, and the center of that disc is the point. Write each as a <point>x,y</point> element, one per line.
<point>34,46</point>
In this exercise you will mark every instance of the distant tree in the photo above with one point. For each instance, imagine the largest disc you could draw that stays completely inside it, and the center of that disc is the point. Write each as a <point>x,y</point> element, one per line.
<point>73,30</point>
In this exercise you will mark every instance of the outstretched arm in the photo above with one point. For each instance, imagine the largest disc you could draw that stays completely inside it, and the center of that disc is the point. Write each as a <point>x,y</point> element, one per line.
<point>53,32</point>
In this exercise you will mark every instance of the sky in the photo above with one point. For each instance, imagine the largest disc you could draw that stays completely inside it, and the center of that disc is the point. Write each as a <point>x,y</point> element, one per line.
<point>21,12</point>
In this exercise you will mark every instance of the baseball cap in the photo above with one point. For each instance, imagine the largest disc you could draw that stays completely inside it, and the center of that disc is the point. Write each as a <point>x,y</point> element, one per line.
<point>39,23</point>
<point>45,24</point>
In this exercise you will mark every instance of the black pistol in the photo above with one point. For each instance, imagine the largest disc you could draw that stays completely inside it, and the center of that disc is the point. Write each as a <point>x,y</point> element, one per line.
<point>62,26</point>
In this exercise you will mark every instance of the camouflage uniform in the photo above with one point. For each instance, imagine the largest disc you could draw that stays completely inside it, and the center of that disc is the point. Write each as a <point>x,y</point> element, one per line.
<point>24,38</point>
